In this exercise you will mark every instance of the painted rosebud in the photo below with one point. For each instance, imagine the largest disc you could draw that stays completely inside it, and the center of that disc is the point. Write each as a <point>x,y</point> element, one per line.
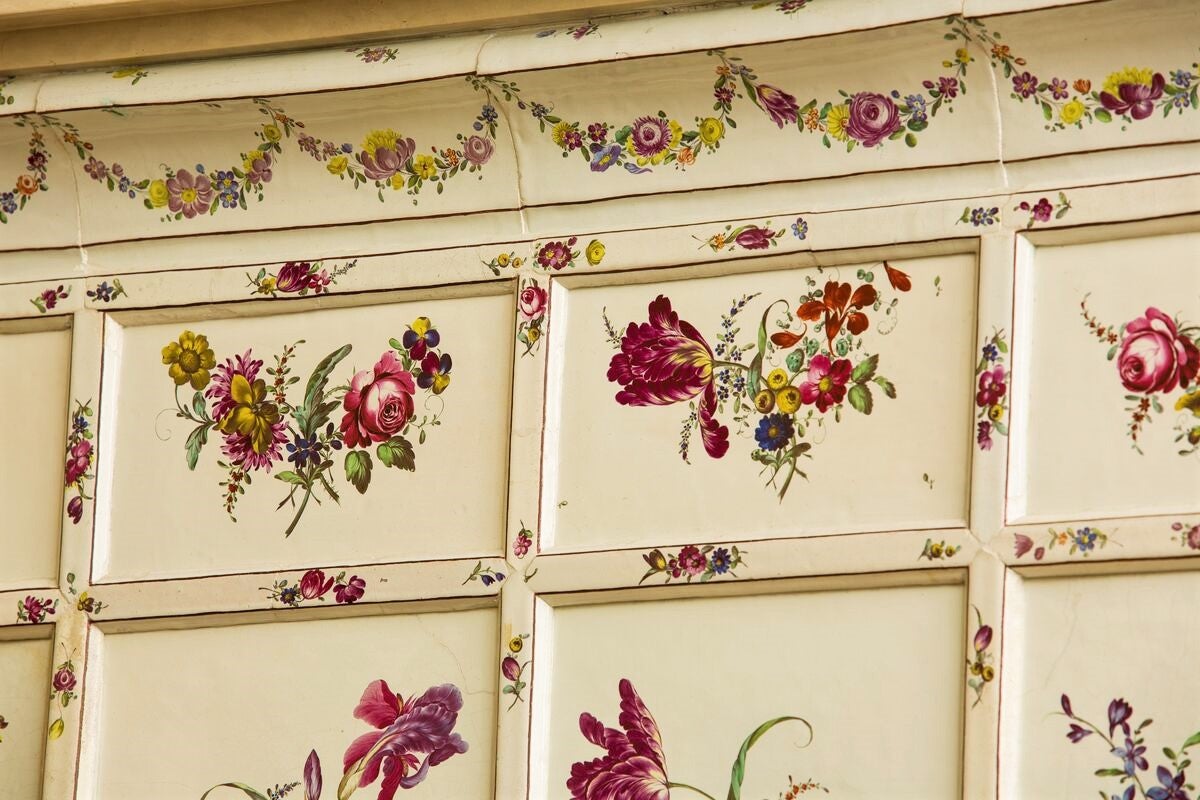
<point>510,668</point>
<point>64,680</point>
<point>983,638</point>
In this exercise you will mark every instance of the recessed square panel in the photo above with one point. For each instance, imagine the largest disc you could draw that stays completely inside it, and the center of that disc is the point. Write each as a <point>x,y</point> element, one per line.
<point>24,687</point>
<point>347,431</point>
<point>701,675</point>
<point>777,403</point>
<point>35,355</point>
<point>1107,406</point>
<point>1121,648</point>
<point>248,703</point>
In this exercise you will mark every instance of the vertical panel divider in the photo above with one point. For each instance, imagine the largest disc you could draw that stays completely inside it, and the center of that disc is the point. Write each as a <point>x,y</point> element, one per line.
<point>984,662</point>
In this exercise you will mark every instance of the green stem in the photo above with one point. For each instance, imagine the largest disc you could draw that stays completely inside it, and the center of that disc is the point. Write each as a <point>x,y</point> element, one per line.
<point>673,785</point>
<point>308,490</point>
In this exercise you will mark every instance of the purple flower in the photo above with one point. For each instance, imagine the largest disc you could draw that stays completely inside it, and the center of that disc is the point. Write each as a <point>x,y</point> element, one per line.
<point>1131,753</point>
<point>258,167</point>
<point>597,131</point>
<point>1066,701</point>
<point>1025,84</point>
<point>37,161</point>
<point>350,591</point>
<point>1023,544</point>
<point>312,777</point>
<point>1135,99</point>
<point>1042,210</point>
<point>75,509</point>
<point>510,668</point>
<point>419,726</point>
<point>1128,794</point>
<point>650,136</point>
<point>1119,713</point>
<point>948,87</point>
<point>387,159</point>
<point>724,95</point>
<point>190,194</point>
<point>873,118</point>
<point>8,202</point>
<point>780,105</point>
<point>477,150</point>
<point>1172,786</point>
<point>983,638</point>
<point>1077,733</point>
<point>1058,88</point>
<point>983,436</point>
<point>604,157</point>
<point>94,168</point>
<point>633,766</point>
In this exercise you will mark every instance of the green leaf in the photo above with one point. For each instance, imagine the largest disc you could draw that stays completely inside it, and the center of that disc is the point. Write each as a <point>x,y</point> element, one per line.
<point>1001,345</point>
<point>287,476</point>
<point>887,386</point>
<point>910,139</point>
<point>1192,741</point>
<point>738,773</point>
<point>397,452</point>
<point>865,370</point>
<point>358,469</point>
<point>1102,115</point>
<point>320,376</point>
<point>195,442</point>
<point>860,398</point>
<point>254,794</point>
<point>1109,773</point>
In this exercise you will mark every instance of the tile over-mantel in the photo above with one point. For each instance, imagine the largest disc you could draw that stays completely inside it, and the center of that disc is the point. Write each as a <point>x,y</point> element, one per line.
<point>603,111</point>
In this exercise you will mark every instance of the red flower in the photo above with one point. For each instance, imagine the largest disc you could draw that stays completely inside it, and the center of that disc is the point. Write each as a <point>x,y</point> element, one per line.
<point>1154,357</point>
<point>378,405</point>
<point>666,361</point>
<point>899,280</point>
<point>780,105</point>
<point>420,726</point>
<point>826,384</point>
<point>634,767</point>
<point>556,255</point>
<point>838,306</point>
<point>991,387</point>
<point>1023,545</point>
<point>692,561</point>
<point>79,458</point>
<point>350,591</point>
<point>314,584</point>
<point>64,680</point>
<point>983,638</point>
<point>293,276</point>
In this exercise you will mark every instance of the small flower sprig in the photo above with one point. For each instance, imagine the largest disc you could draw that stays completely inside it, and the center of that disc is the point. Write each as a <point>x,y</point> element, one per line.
<point>1043,209</point>
<point>106,292</point>
<point>747,237</point>
<point>690,562</point>
<point>1187,534</point>
<point>797,788</point>
<point>531,314</point>
<point>298,278</point>
<point>502,261</point>
<point>980,216</point>
<point>1173,783</point>
<point>936,551</point>
<point>513,670</point>
<point>523,542</point>
<point>1082,540</point>
<point>48,298</point>
<point>486,575</point>
<point>62,693</point>
<point>135,72</point>
<point>980,667</point>
<point>80,456</point>
<point>991,394</point>
<point>314,585</point>
<point>83,601</point>
<point>576,32</point>
<point>374,55</point>
<point>34,610</point>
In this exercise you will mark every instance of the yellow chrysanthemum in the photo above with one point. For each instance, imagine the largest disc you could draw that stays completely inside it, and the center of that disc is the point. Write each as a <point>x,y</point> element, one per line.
<point>189,360</point>
<point>424,167</point>
<point>836,121</point>
<point>252,416</point>
<point>1072,112</point>
<point>380,138</point>
<point>711,130</point>
<point>337,165</point>
<point>559,133</point>
<point>1128,75</point>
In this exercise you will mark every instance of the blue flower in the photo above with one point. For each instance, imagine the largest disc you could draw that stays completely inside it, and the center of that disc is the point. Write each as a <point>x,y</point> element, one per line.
<point>81,422</point>
<point>488,113</point>
<point>538,110</point>
<point>916,104</point>
<point>1131,753</point>
<point>984,216</point>
<point>103,292</point>
<point>1181,78</point>
<point>991,352</point>
<point>774,431</point>
<point>719,561</point>
<point>1085,539</point>
<point>347,147</point>
<point>800,228</point>
<point>604,157</point>
<point>289,596</point>
<point>545,33</point>
<point>8,202</point>
<point>1172,786</point>
<point>304,451</point>
<point>225,182</point>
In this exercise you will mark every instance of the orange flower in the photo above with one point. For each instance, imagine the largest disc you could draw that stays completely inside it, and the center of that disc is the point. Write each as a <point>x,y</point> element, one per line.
<point>686,156</point>
<point>1083,86</point>
<point>1001,51</point>
<point>451,156</point>
<point>724,70</point>
<point>812,118</point>
<point>27,184</point>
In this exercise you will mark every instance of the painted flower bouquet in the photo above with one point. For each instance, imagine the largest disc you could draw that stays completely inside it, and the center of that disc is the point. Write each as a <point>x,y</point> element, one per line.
<point>1155,354</point>
<point>820,366</point>
<point>263,424</point>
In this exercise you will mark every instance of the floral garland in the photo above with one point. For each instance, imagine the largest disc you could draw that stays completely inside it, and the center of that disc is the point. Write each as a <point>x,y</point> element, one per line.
<point>513,670</point>
<point>704,563</point>
<point>62,694</point>
<point>256,421</point>
<point>410,737</point>
<point>315,586</point>
<point>576,32</point>
<point>298,278</point>
<point>822,368</point>
<point>531,314</point>
<point>991,395</point>
<point>1155,354</point>
<point>550,256</point>
<point>33,180</point>
<point>1130,747</point>
<point>81,454</point>
<point>634,755</point>
<point>374,55</point>
<point>1188,535</point>
<point>1083,540</point>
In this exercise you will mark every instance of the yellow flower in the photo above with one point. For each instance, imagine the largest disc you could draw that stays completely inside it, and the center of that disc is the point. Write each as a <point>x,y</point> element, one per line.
<point>421,326</point>
<point>251,417</point>
<point>836,121</point>
<point>532,334</point>
<point>989,673</point>
<point>517,262</point>
<point>125,72</point>
<point>158,193</point>
<point>559,133</point>
<point>248,161</point>
<point>777,379</point>
<point>962,56</point>
<point>56,729</point>
<point>764,401</point>
<point>516,644</point>
<point>789,399</point>
<point>711,130</point>
<point>1189,402</point>
<point>272,133</point>
<point>935,550</point>
<point>267,285</point>
<point>996,413</point>
<point>1128,75</point>
<point>502,259</point>
<point>377,139</point>
<point>190,359</point>
<point>337,165</point>
<point>424,167</point>
<point>594,252</point>
<point>1072,112</point>
<point>398,181</point>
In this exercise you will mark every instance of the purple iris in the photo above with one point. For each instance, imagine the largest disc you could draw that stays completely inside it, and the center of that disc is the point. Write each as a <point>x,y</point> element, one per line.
<point>1119,713</point>
<point>1131,753</point>
<point>1171,789</point>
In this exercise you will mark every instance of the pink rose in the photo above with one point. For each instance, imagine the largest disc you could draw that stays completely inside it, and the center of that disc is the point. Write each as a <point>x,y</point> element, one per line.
<point>314,584</point>
<point>873,118</point>
<point>79,457</point>
<point>1154,357</point>
<point>532,302</point>
<point>477,150</point>
<point>64,680</point>
<point>292,277</point>
<point>378,405</point>
<point>755,238</point>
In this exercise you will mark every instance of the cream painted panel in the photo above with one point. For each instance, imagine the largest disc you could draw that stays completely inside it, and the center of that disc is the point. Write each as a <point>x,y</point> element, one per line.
<point>1100,640</point>
<point>180,526</point>
<point>613,473</point>
<point>249,702</point>
<point>1074,456</point>
<point>860,666</point>
<point>24,683</point>
<point>35,356</point>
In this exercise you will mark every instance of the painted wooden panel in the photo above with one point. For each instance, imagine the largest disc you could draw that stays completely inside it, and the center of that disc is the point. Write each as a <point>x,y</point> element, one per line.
<point>25,664</point>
